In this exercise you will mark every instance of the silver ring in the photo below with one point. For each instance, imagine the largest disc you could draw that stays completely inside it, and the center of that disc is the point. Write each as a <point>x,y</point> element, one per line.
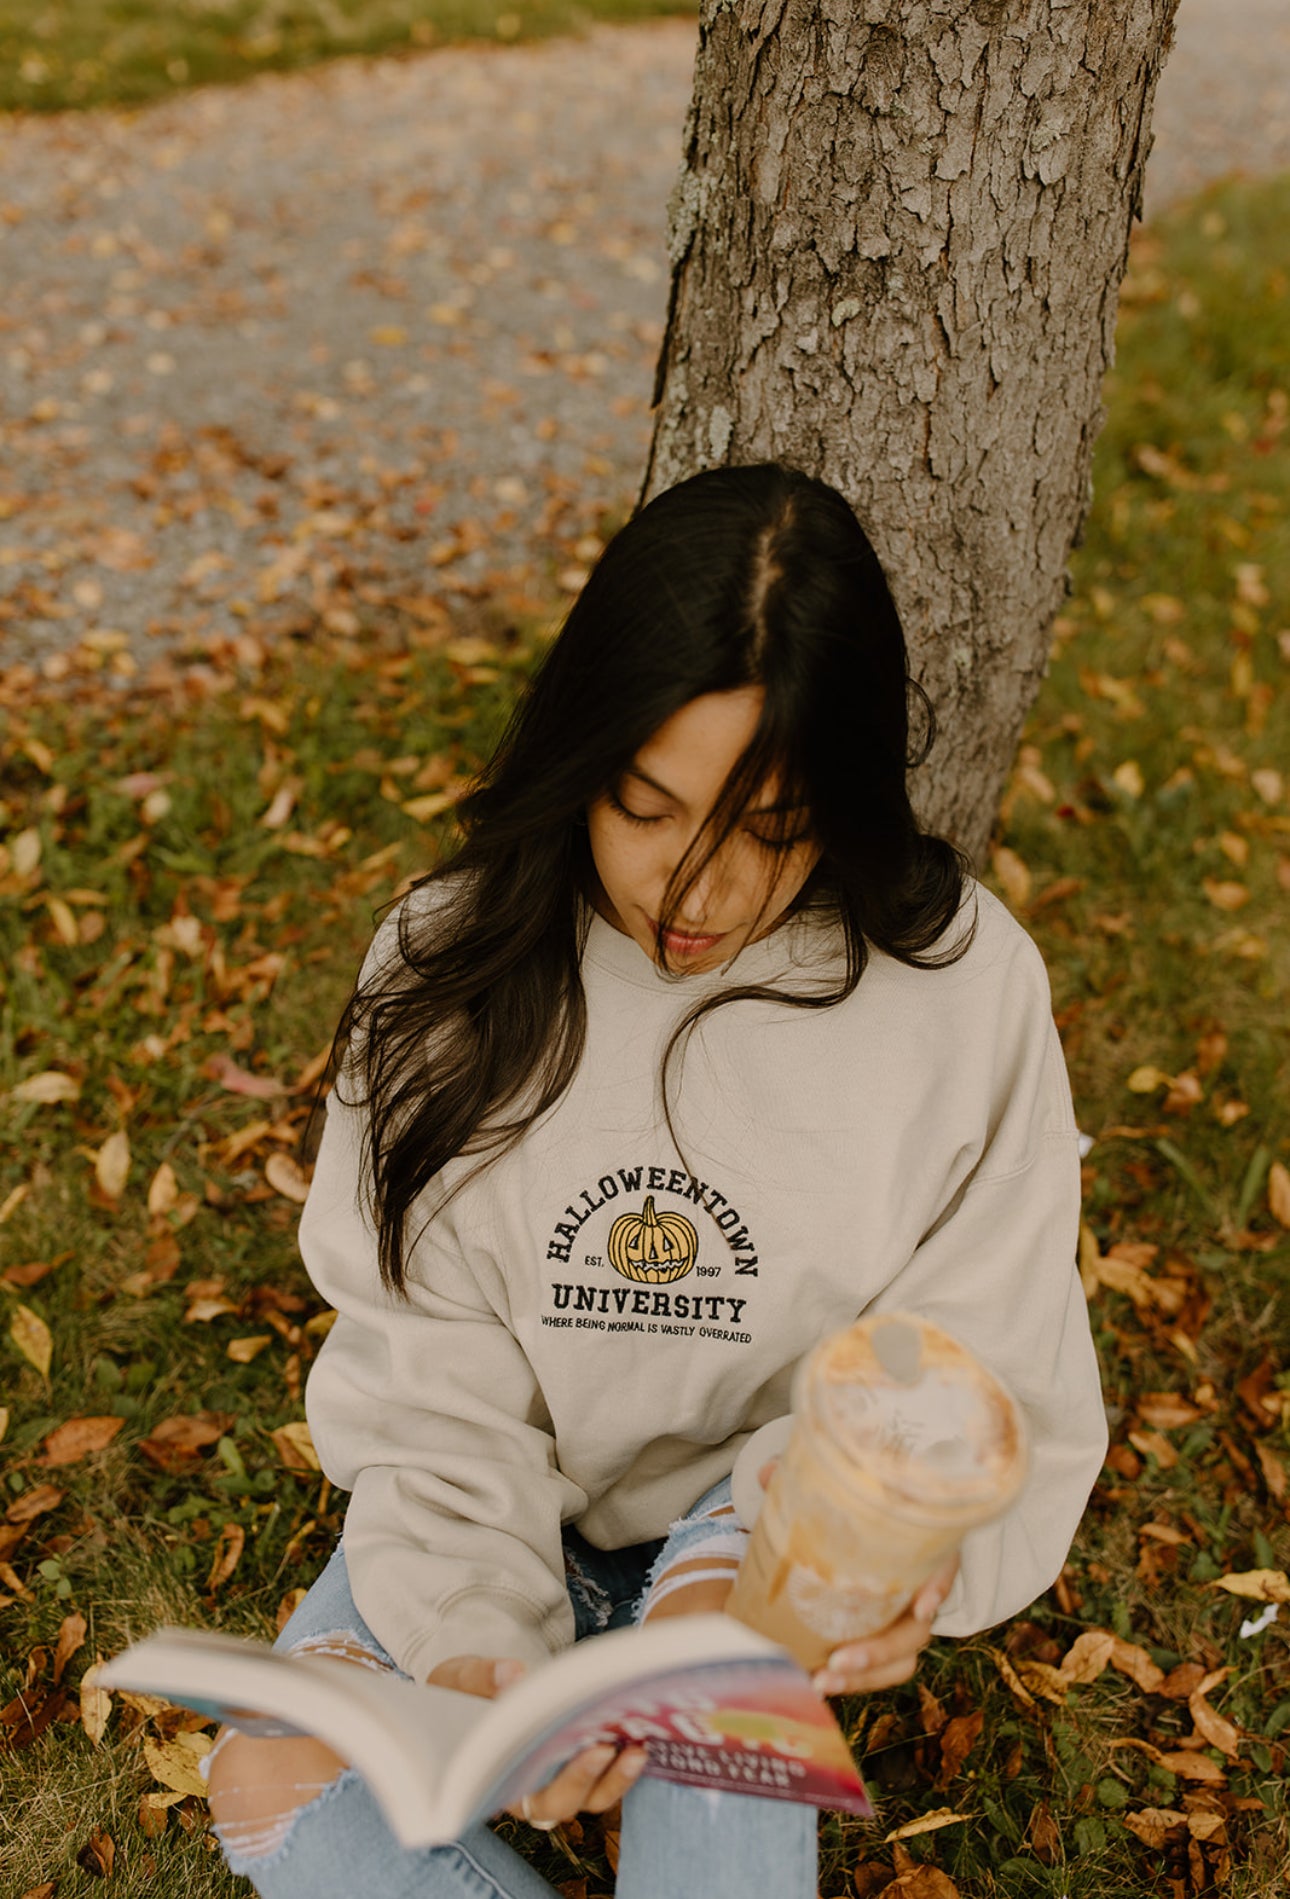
<point>543,1826</point>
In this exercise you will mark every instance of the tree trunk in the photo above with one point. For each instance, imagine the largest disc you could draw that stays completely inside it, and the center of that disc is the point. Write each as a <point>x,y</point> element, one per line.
<point>897,240</point>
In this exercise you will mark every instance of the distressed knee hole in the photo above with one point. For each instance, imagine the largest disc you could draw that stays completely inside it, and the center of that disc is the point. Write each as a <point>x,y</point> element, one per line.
<point>257,1785</point>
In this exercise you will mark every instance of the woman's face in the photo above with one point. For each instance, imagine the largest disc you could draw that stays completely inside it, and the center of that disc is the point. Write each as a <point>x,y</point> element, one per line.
<point>643,827</point>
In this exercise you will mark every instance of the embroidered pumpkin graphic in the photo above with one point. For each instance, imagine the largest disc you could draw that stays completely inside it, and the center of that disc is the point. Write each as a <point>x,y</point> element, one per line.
<point>653,1247</point>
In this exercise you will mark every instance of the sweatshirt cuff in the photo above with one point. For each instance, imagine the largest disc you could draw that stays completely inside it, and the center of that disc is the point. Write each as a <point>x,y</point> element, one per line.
<point>478,1622</point>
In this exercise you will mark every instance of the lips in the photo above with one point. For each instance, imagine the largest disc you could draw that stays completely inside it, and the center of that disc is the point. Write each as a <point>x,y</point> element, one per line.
<point>679,944</point>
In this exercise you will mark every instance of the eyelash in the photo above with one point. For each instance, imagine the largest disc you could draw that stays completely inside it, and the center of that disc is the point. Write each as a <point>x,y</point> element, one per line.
<point>779,845</point>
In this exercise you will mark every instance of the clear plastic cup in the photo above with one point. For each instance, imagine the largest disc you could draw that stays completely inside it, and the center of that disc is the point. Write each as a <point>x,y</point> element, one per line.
<point>901,1443</point>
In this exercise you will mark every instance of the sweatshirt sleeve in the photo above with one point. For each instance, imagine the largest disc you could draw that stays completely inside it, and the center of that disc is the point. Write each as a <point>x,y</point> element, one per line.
<point>429,1413</point>
<point>998,1271</point>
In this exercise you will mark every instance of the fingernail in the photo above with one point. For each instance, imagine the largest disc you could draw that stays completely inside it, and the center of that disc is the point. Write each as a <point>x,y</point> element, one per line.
<point>852,1658</point>
<point>636,1765</point>
<point>826,1684</point>
<point>600,1757</point>
<point>927,1604</point>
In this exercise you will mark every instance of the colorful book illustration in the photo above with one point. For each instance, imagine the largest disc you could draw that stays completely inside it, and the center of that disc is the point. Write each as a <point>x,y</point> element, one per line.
<point>715,1704</point>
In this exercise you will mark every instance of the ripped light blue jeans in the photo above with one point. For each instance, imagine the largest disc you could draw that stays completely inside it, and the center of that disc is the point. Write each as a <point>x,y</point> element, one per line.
<point>676,1843</point>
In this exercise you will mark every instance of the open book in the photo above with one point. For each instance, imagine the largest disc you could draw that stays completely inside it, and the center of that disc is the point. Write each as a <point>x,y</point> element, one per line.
<point>715,1704</point>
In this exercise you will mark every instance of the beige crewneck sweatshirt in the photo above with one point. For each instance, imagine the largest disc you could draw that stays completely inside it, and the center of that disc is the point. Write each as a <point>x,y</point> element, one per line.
<point>911,1148</point>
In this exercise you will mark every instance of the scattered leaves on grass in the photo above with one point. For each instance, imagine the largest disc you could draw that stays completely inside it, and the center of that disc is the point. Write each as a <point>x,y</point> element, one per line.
<point>930,1822</point>
<point>174,1762</point>
<point>296,1446</point>
<point>1257,1585</point>
<point>33,1339</point>
<point>228,1549</point>
<point>175,1445</point>
<point>98,1855</point>
<point>69,1442</point>
<point>96,1703</point>
<point>287,1177</point>
<point>48,1087</point>
<point>112,1165</point>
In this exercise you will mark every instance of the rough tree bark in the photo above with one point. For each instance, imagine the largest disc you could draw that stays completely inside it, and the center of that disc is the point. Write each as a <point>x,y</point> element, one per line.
<point>897,240</point>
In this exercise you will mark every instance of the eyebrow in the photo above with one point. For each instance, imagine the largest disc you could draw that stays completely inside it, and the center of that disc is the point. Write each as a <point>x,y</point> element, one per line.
<point>758,811</point>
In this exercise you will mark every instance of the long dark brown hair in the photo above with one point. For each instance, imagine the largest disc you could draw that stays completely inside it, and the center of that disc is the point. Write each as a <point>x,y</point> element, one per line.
<point>472,1022</point>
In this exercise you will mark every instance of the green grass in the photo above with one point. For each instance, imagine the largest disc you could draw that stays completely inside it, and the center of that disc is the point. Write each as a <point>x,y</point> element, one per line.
<point>56,54</point>
<point>1145,789</point>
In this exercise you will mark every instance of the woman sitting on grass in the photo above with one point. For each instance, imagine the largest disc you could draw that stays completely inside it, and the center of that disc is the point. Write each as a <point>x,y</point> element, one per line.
<point>693,957</point>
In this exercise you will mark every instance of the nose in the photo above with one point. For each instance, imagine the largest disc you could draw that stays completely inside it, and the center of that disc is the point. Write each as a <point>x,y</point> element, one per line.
<point>701,901</point>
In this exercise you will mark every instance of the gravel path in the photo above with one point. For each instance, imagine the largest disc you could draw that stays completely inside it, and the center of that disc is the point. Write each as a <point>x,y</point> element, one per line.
<point>355,339</point>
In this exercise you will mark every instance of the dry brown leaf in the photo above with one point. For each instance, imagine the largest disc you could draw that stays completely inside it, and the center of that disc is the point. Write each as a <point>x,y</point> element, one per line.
<point>242,1351</point>
<point>1274,1471</point>
<point>175,1444</point>
<point>1134,1662</point>
<point>1146,1079</point>
<point>228,1548</point>
<point>1189,1766</point>
<point>1166,1410</point>
<point>98,1855</point>
<point>48,1087</point>
<point>112,1164</point>
<point>1042,1679</point>
<point>241,1081</point>
<point>1151,1442</point>
<point>96,1703</point>
<point>1217,1730</point>
<point>958,1739</point>
<point>34,1503</point>
<point>1279,1193</point>
<point>1044,1835</point>
<point>1153,1825</point>
<point>1257,1585</point>
<point>1225,894</point>
<point>174,1762</point>
<point>296,1446</point>
<point>924,1882</point>
<point>154,1809</point>
<point>77,1438</point>
<point>1010,1677</point>
<point>70,1636</point>
<point>1089,1654</point>
<point>32,1337</point>
<point>926,1823</point>
<point>202,1311</point>
<point>163,1190</point>
<point>287,1177</point>
<point>1012,875</point>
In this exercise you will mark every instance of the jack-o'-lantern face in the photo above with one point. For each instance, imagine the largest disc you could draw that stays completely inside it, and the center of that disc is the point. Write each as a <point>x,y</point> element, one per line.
<point>652,1247</point>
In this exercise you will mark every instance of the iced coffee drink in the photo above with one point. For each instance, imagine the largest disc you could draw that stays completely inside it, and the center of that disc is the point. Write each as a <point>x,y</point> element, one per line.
<point>901,1443</point>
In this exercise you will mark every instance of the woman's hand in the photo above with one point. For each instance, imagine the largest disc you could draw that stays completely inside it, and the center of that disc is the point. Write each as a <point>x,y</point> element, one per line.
<point>591,1782</point>
<point>890,1655</point>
